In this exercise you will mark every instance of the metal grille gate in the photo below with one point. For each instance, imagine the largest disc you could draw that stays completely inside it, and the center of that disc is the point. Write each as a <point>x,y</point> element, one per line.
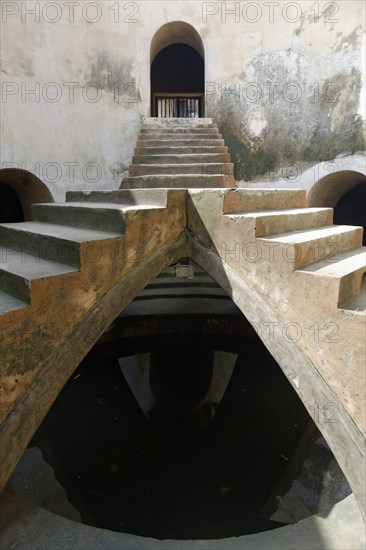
<point>178,106</point>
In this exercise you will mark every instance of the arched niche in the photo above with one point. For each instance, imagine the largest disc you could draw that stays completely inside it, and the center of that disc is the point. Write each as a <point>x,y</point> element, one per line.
<point>28,188</point>
<point>345,191</point>
<point>328,190</point>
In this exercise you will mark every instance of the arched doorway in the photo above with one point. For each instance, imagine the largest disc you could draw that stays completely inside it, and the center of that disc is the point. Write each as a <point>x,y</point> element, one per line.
<point>177,72</point>
<point>345,191</point>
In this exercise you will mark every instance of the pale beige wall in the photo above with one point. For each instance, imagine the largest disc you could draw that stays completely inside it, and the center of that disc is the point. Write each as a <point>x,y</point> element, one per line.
<point>91,143</point>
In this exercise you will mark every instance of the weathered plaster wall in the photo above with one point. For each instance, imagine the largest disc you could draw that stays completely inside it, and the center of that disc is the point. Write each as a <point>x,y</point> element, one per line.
<point>291,91</point>
<point>333,177</point>
<point>283,80</point>
<point>79,128</point>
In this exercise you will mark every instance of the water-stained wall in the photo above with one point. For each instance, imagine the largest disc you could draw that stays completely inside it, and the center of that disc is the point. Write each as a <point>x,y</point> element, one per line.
<point>296,93</point>
<point>284,81</point>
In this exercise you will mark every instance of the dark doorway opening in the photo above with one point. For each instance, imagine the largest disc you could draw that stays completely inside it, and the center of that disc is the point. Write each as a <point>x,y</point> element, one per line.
<point>11,210</point>
<point>351,208</point>
<point>177,83</point>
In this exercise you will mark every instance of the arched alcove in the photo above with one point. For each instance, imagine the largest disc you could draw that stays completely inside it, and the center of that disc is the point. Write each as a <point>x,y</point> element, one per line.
<point>22,189</point>
<point>177,71</point>
<point>328,190</point>
<point>345,191</point>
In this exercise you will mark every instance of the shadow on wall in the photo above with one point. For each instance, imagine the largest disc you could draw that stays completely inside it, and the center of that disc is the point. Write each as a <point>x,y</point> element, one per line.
<point>344,191</point>
<point>20,189</point>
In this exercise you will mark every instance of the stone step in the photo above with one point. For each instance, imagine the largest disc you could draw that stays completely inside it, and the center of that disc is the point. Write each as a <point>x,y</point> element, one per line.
<point>173,142</point>
<point>160,123</point>
<point>206,158</point>
<point>199,168</point>
<point>357,303</point>
<point>10,303</point>
<point>164,145</point>
<point>181,290</point>
<point>14,284</point>
<point>92,215</point>
<point>342,275</point>
<point>180,150</point>
<point>252,200</point>
<point>178,181</point>
<point>143,198</point>
<point>18,269</point>
<point>299,249</point>
<point>197,133</point>
<point>55,243</point>
<point>272,222</point>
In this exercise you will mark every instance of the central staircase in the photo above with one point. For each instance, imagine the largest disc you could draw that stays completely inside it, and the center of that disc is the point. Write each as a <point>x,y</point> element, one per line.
<point>180,153</point>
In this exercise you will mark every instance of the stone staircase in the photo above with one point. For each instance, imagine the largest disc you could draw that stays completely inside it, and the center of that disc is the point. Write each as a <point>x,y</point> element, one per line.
<point>180,152</point>
<point>61,238</point>
<point>304,240</point>
<point>66,275</point>
<point>272,232</point>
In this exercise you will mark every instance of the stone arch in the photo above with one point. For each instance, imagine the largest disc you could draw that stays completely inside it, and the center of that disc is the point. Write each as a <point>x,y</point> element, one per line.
<point>28,188</point>
<point>345,192</point>
<point>342,436</point>
<point>181,40</point>
<point>328,190</point>
<point>177,32</point>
